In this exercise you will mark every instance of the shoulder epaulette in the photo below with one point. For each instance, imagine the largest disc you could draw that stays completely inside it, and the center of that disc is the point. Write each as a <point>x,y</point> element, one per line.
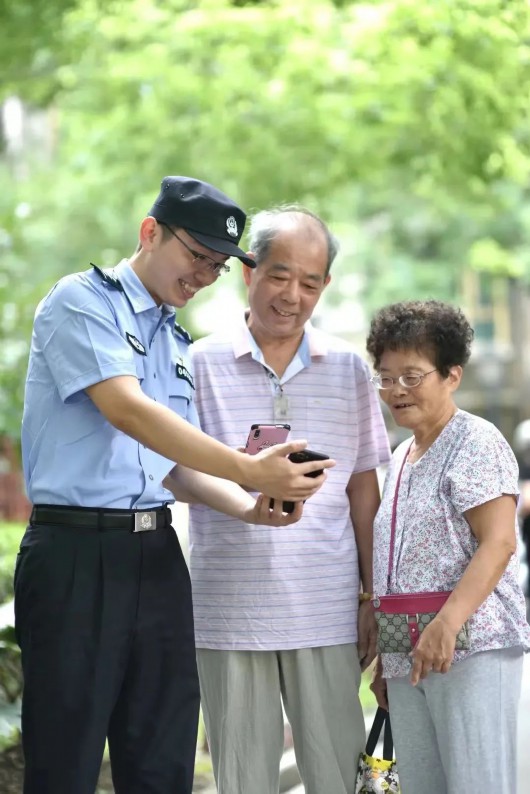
<point>180,331</point>
<point>109,279</point>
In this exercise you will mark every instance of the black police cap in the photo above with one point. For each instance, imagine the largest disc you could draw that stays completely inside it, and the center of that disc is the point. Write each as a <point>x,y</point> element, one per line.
<point>205,212</point>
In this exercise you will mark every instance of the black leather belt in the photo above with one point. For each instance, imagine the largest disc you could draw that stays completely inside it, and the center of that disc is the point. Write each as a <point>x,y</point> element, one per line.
<point>101,519</point>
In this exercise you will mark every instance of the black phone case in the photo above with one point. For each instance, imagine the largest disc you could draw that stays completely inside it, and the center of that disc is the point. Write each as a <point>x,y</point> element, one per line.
<point>302,457</point>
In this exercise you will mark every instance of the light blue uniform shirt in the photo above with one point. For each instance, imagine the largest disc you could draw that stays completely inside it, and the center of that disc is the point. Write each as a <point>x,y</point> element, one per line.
<point>87,329</point>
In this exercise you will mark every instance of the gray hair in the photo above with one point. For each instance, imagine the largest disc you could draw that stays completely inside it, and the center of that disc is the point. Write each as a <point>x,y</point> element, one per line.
<point>267,224</point>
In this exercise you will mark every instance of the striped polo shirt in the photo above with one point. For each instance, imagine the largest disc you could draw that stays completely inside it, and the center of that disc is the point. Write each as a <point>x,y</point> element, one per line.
<point>263,588</point>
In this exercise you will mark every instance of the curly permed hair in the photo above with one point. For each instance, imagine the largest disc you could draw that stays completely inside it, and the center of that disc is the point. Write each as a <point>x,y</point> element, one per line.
<point>431,327</point>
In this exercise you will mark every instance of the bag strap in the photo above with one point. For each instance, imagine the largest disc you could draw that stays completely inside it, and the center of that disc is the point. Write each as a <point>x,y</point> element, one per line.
<point>393,521</point>
<point>388,741</point>
<point>382,717</point>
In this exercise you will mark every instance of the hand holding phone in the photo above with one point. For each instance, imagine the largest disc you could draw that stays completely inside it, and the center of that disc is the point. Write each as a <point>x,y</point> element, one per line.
<point>302,457</point>
<point>265,436</point>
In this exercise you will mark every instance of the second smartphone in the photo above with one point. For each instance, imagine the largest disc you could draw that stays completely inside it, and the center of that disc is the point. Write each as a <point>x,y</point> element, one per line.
<point>302,457</point>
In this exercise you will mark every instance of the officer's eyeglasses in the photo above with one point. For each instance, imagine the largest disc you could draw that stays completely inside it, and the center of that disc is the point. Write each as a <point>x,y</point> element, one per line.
<point>200,259</point>
<point>382,382</point>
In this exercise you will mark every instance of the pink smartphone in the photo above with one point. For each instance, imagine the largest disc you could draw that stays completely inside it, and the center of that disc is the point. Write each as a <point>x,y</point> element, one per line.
<point>264,436</point>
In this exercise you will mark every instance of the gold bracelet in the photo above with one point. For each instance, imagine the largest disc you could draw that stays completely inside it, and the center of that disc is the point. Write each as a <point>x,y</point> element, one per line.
<point>365,597</point>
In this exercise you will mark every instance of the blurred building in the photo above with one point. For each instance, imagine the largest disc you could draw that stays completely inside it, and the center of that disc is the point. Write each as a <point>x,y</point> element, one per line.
<point>496,382</point>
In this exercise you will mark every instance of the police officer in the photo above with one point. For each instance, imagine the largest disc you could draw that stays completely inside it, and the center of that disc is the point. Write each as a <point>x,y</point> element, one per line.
<point>102,594</point>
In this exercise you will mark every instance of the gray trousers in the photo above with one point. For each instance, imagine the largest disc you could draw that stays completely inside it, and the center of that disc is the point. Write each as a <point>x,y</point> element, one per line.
<point>242,693</point>
<point>458,732</point>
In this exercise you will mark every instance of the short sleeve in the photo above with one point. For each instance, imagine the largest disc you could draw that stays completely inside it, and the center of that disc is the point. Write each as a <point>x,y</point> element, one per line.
<point>484,468</point>
<point>76,329</point>
<point>374,448</point>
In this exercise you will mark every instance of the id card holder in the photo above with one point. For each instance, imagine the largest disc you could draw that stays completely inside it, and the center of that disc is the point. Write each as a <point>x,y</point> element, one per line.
<point>281,407</point>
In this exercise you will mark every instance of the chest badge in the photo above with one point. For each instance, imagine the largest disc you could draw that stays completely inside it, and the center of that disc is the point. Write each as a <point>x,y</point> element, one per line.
<point>135,344</point>
<point>184,374</point>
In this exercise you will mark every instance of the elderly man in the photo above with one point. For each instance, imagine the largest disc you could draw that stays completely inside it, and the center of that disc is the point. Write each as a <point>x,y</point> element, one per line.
<point>277,611</point>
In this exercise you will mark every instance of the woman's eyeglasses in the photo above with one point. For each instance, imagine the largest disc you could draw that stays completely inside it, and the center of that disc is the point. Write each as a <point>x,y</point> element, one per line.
<point>408,381</point>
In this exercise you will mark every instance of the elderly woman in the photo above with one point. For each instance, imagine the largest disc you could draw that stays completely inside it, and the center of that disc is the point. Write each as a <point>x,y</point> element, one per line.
<point>449,504</point>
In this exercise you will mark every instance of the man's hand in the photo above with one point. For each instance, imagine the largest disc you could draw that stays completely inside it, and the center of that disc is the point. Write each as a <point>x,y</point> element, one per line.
<point>272,473</point>
<point>434,651</point>
<point>260,513</point>
<point>367,634</point>
<point>225,496</point>
<point>378,686</point>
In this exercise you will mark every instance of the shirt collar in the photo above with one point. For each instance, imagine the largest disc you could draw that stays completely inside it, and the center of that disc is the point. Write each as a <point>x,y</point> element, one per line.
<point>314,341</point>
<point>136,293</point>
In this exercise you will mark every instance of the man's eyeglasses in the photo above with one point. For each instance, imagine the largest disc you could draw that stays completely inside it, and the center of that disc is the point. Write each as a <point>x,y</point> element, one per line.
<point>408,381</point>
<point>200,259</point>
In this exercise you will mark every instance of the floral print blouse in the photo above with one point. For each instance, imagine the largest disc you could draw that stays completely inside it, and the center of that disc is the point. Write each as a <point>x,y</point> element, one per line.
<point>469,464</point>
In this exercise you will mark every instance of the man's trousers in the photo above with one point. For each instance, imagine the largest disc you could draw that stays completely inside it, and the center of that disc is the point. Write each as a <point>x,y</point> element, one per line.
<point>105,624</point>
<point>242,694</point>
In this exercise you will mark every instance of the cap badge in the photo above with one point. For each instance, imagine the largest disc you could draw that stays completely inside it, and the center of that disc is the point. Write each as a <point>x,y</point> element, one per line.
<point>231,226</point>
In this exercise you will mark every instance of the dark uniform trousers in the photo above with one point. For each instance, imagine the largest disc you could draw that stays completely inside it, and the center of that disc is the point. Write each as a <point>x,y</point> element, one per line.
<point>105,624</point>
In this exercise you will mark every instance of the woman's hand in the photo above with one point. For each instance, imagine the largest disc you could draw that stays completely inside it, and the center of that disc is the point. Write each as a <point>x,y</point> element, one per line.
<point>434,651</point>
<point>378,685</point>
<point>195,487</point>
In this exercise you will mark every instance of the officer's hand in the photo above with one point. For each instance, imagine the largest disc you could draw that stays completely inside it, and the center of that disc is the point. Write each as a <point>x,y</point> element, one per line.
<point>261,513</point>
<point>271,472</point>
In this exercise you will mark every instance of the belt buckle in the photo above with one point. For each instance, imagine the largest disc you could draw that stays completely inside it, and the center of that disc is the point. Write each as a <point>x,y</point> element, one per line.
<point>144,522</point>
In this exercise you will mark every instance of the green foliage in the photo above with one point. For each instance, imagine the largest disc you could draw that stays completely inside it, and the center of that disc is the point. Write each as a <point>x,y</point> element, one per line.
<point>487,255</point>
<point>403,123</point>
<point>10,669</point>
<point>34,44</point>
<point>10,537</point>
<point>10,677</point>
<point>312,97</point>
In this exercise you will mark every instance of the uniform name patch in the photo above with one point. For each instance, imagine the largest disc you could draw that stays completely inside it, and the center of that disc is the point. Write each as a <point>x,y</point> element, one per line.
<point>184,374</point>
<point>135,344</point>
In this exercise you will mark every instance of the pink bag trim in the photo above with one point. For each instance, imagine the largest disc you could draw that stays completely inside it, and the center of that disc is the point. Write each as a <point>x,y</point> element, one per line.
<point>411,603</point>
